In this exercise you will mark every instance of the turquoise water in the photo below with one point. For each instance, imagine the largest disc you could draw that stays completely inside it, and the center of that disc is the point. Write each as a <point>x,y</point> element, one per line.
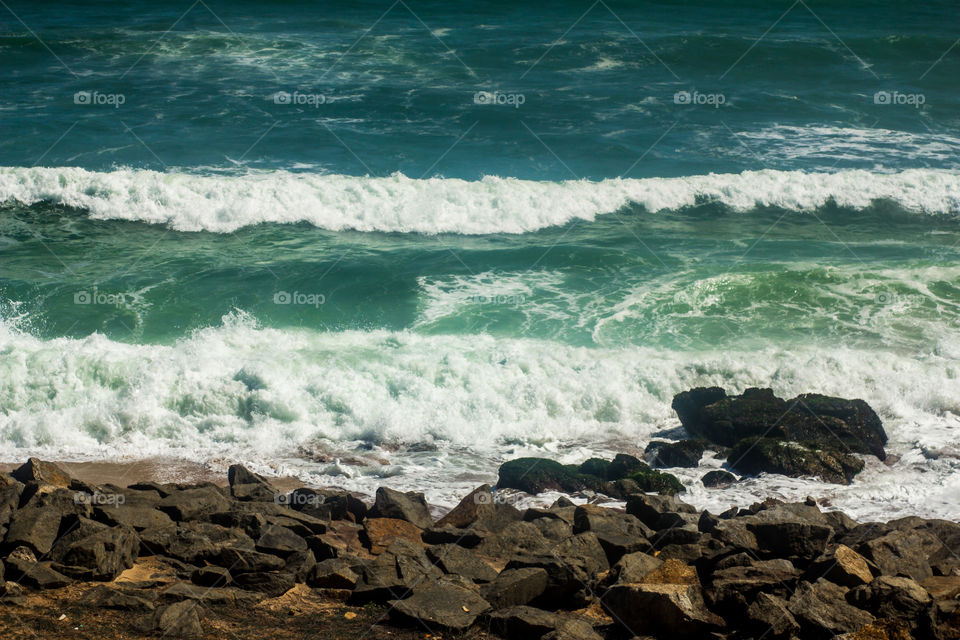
<point>423,237</point>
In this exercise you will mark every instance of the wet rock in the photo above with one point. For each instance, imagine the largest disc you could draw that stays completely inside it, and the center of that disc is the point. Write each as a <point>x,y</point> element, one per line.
<point>685,453</point>
<point>410,506</point>
<point>280,541</point>
<point>768,617</point>
<point>191,504</point>
<point>211,576</point>
<point>536,475</point>
<point>381,532</point>
<point>841,565</point>
<point>718,479</point>
<point>690,405</point>
<point>441,605</point>
<point>822,611</point>
<point>248,486</point>
<point>854,423</point>
<point>178,620</point>
<point>514,587</point>
<point>455,560</point>
<point>36,470</point>
<point>753,456</point>
<point>477,505</point>
<point>677,610</point>
<point>618,533</point>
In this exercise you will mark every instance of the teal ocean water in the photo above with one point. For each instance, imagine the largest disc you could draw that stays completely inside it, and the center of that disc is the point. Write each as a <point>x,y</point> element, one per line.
<point>359,240</point>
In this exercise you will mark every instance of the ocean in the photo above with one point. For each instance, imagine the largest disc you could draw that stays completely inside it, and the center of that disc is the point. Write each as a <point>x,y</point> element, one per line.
<point>367,243</point>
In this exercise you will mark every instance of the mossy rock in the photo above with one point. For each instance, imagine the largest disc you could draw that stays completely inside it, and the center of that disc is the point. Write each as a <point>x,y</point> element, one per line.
<point>653,481</point>
<point>596,467</point>
<point>536,475</point>
<point>794,459</point>
<point>685,453</point>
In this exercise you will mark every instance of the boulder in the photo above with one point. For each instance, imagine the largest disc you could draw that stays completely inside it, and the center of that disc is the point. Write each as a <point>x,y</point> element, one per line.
<point>211,577</point>
<point>455,560</point>
<point>892,598</point>
<point>477,505</point>
<point>271,583</point>
<point>841,565</point>
<point>191,542</point>
<point>648,509</point>
<point>335,573</point>
<point>677,610</point>
<point>10,492</point>
<point>177,620</point>
<point>395,573</point>
<point>35,470</point>
<point>685,453</point>
<point>822,611</point>
<point>781,532</point>
<point>522,622</point>
<point>514,587</point>
<point>634,567</point>
<point>410,506</point>
<point>33,527</point>
<point>718,479</point>
<point>299,564</point>
<point>104,597</point>
<point>898,553</point>
<point>618,533</point>
<point>443,606</point>
<point>248,486</point>
<point>179,591</point>
<point>239,560</point>
<point>768,617</point>
<point>22,567</point>
<point>536,475</point>
<point>191,504</point>
<point>138,509</point>
<point>280,541</point>
<point>851,422</point>
<point>736,585</point>
<point>572,630</point>
<point>381,532</point>
<point>753,456</point>
<point>570,565</point>
<point>104,554</point>
<point>514,539</point>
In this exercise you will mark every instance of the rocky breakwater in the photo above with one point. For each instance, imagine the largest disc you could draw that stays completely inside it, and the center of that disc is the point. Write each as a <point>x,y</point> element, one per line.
<point>658,568</point>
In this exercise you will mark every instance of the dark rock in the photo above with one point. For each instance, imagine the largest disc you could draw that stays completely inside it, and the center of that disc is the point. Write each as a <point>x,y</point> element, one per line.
<point>690,406</point>
<point>572,630</point>
<point>648,509</point>
<point>514,587</point>
<point>34,527</point>
<point>677,610</point>
<point>522,622</point>
<point>742,583</point>
<point>138,509</point>
<point>210,595</point>
<point>753,456</point>
<point>893,599</point>
<point>395,573</point>
<point>335,573</point>
<point>898,553</point>
<point>211,577</point>
<point>623,466</point>
<point>280,541</point>
<point>477,505</point>
<point>685,453</point>
<point>782,533</point>
<point>192,542</point>
<point>634,567</point>
<point>768,617</point>
<point>448,607</point>
<point>718,479</point>
<point>618,533</point>
<point>240,560</point>
<point>454,559</point>
<point>300,564</point>
<point>516,538</point>
<point>178,620</point>
<point>269,582</point>
<point>595,467</point>
<point>35,470</point>
<point>860,429</point>
<point>105,553</point>
<point>536,475</point>
<point>246,485</point>
<point>191,504</point>
<point>344,506</point>
<point>468,538</point>
<point>410,506</point>
<point>10,492</point>
<point>822,611</point>
<point>22,567</point>
<point>104,597</point>
<point>570,565</point>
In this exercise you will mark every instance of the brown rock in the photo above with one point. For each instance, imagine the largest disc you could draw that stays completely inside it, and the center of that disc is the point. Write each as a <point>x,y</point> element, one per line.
<point>677,610</point>
<point>843,566</point>
<point>35,470</point>
<point>672,571</point>
<point>822,610</point>
<point>381,532</point>
<point>477,505</point>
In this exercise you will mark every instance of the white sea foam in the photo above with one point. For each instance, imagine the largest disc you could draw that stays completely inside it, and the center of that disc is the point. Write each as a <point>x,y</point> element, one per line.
<point>190,202</point>
<point>274,398</point>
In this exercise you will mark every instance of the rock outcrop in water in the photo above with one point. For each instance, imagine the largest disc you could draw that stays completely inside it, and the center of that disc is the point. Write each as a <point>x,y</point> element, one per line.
<point>659,569</point>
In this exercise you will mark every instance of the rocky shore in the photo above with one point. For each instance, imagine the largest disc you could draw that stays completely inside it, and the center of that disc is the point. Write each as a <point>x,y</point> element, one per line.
<point>249,560</point>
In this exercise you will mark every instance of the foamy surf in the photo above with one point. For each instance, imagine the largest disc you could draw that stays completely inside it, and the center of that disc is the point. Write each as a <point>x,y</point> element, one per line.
<point>225,203</point>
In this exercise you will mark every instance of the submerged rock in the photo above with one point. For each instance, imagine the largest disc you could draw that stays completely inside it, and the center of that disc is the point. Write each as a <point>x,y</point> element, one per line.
<point>753,456</point>
<point>685,453</point>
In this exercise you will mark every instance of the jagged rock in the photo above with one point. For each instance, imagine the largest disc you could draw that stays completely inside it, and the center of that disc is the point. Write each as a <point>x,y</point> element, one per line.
<point>648,509</point>
<point>299,564</point>
<point>467,538</point>
<point>191,504</point>
<point>269,582</point>
<point>210,595</point>
<point>138,510</point>
<point>753,456</point>
<point>898,553</point>
<point>10,492</point>
<point>104,597</point>
<point>781,532</point>
<point>573,630</point>
<point>514,587</point>
<point>344,506</point>
<point>822,611</point>
<point>634,567</point>
<point>280,541</point>
<point>335,573</point>
<point>842,565</point>
<point>672,571</point>
<point>516,538</point>
<point>381,532</point>
<point>892,598</point>
<point>569,565</point>
<point>740,584</point>
<point>522,622</point>
<point>618,533</point>
<point>445,606</point>
<point>105,553</point>
<point>410,506</point>
<point>685,453</point>
<point>192,542</point>
<point>239,560</point>
<point>769,617</point>
<point>394,573</point>
<point>35,470</point>
<point>718,479</point>
<point>22,567</point>
<point>248,486</point>
<point>677,610</point>
<point>454,559</point>
<point>34,527</point>
<point>855,424</point>
<point>477,505</point>
<point>178,620</point>
<point>943,587</point>
<point>211,576</point>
